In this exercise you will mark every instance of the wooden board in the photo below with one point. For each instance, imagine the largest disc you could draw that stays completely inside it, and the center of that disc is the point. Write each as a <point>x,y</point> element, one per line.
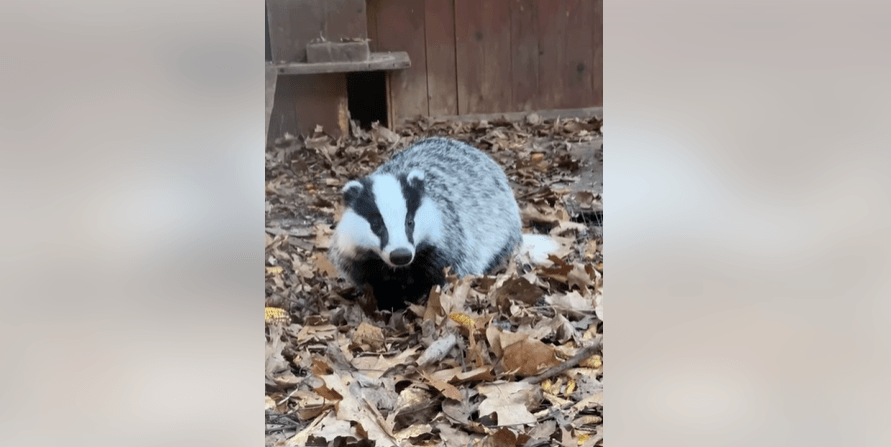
<point>583,113</point>
<point>271,79</point>
<point>597,45</point>
<point>320,99</point>
<point>483,59</point>
<point>371,9</point>
<point>400,27</point>
<point>294,23</point>
<point>524,54</point>
<point>442,83</point>
<point>282,117</point>
<point>376,61</point>
<point>344,19</point>
<point>552,53</point>
<point>577,77</point>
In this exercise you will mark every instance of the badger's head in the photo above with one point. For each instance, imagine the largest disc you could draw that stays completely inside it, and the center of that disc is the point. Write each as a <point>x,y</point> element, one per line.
<point>387,215</point>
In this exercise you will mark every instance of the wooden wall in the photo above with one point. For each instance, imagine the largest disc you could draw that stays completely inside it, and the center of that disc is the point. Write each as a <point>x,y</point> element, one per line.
<point>490,56</point>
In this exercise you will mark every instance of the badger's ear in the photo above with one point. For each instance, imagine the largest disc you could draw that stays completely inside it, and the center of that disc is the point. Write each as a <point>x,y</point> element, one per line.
<point>350,191</point>
<point>415,178</point>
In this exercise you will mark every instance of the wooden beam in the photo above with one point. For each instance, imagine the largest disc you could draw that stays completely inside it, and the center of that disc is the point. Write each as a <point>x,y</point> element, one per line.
<point>271,78</point>
<point>582,113</point>
<point>396,60</point>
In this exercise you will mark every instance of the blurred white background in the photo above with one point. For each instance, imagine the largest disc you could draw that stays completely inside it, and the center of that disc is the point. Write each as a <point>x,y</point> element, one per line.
<point>747,211</point>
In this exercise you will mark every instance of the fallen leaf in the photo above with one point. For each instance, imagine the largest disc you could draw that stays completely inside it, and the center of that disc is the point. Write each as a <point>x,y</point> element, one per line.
<point>510,401</point>
<point>529,357</point>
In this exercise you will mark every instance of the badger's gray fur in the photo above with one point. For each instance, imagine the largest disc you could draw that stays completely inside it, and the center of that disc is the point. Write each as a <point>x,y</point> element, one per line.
<point>438,203</point>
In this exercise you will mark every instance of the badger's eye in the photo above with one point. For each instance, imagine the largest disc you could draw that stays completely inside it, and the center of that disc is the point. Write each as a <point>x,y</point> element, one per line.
<point>376,223</point>
<point>410,222</point>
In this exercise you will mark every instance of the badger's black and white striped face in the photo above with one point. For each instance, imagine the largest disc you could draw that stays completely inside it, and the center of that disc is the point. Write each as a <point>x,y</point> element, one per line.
<point>389,216</point>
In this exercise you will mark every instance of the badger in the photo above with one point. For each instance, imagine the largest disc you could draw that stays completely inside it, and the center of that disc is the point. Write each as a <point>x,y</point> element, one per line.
<point>438,203</point>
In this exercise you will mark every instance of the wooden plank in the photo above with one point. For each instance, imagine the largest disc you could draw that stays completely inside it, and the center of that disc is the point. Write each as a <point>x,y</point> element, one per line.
<point>597,62</point>
<point>271,79</point>
<point>582,113</point>
<point>371,10</point>
<point>376,61</point>
<point>283,117</point>
<point>442,87</point>
<point>551,51</point>
<point>400,27</point>
<point>318,52</point>
<point>345,19</point>
<point>524,53</point>
<point>293,23</point>
<point>483,60</point>
<point>577,77</point>
<point>321,99</point>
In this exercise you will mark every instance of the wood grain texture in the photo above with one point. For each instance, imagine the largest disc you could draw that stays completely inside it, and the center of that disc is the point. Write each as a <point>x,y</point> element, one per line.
<point>551,53</point>
<point>283,117</point>
<point>294,23</point>
<point>396,60</point>
<point>400,27</point>
<point>524,54</point>
<point>291,25</point>
<point>271,80</point>
<point>345,19</point>
<point>597,46</point>
<point>442,82</point>
<point>483,60</point>
<point>579,54</point>
<point>320,99</point>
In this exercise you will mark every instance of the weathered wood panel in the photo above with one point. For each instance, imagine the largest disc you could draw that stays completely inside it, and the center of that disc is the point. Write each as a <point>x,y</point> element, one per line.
<point>400,27</point>
<point>442,83</point>
<point>482,42</point>
<point>524,54</point>
<point>271,80</point>
<point>293,23</point>
<point>371,8</point>
<point>345,19</point>
<point>597,63</point>
<point>320,99</point>
<point>376,61</point>
<point>551,53</point>
<point>578,89</point>
<point>283,117</point>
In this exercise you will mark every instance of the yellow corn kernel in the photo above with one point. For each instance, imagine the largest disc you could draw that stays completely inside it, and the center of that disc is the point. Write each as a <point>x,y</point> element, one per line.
<point>276,315</point>
<point>463,320</point>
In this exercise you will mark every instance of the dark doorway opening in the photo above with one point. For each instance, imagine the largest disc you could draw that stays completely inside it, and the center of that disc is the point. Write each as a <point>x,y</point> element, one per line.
<point>367,97</point>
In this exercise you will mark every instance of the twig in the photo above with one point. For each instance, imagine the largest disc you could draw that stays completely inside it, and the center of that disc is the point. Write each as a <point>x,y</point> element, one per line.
<point>583,354</point>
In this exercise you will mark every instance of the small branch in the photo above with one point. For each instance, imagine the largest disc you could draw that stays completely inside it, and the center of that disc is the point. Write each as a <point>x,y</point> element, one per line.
<point>583,354</point>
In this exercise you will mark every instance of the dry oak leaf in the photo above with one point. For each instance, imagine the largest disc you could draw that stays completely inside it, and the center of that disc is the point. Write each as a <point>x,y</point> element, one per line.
<point>368,334</point>
<point>510,401</point>
<point>571,301</point>
<point>354,408</point>
<point>529,357</point>
<point>324,265</point>
<point>376,366</point>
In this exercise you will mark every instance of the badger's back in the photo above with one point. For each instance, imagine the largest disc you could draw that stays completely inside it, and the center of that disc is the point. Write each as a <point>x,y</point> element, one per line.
<point>479,212</point>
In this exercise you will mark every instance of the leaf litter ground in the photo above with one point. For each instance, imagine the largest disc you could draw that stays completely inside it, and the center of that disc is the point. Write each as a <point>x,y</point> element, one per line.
<point>510,359</point>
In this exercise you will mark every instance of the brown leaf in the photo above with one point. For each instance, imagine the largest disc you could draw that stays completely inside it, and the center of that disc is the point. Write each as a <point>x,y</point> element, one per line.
<point>324,265</point>
<point>579,277</point>
<point>368,334</point>
<point>529,357</point>
<point>518,289</point>
<point>448,390</point>
<point>510,401</point>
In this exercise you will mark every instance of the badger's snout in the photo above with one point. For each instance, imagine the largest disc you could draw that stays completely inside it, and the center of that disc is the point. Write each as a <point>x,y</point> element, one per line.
<point>400,256</point>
